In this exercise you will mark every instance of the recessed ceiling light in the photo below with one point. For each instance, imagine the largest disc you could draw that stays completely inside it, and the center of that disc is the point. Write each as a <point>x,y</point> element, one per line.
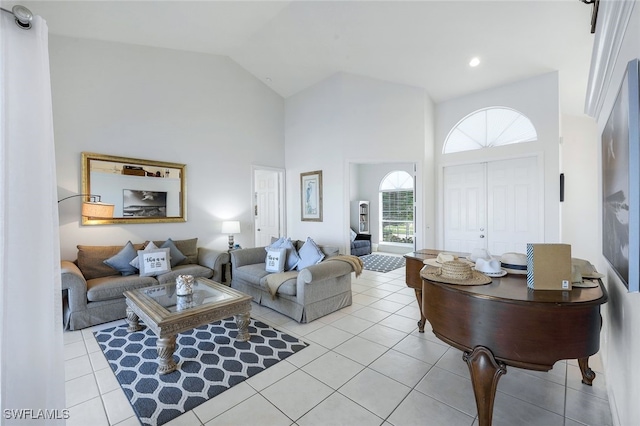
<point>268,79</point>
<point>474,62</point>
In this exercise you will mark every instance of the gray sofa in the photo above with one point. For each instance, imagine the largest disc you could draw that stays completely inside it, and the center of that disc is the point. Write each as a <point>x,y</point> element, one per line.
<point>309,294</point>
<point>93,291</point>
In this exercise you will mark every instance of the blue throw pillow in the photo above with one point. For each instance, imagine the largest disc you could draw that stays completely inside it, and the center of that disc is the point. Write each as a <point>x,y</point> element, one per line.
<point>176,255</point>
<point>121,262</point>
<point>310,254</point>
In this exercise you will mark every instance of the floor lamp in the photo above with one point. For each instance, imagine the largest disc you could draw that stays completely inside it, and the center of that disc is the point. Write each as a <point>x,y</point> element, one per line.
<point>94,207</point>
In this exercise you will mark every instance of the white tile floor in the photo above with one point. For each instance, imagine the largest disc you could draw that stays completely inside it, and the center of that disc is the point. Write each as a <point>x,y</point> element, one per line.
<point>366,365</point>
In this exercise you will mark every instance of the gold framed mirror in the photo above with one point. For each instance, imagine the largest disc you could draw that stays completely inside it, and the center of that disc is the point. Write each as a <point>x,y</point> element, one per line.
<point>142,191</point>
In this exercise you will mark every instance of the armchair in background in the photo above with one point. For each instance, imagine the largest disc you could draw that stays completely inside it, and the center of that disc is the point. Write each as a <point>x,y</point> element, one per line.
<point>360,244</point>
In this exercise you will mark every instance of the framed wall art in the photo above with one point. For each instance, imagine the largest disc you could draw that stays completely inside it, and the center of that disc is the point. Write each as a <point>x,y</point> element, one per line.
<point>311,196</point>
<point>141,190</point>
<point>621,182</point>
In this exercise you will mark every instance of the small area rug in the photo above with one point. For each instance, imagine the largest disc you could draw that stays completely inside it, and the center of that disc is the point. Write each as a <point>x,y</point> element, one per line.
<point>382,262</point>
<point>209,359</point>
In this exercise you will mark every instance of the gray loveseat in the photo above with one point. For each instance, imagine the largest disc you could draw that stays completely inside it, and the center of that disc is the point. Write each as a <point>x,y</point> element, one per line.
<point>94,290</point>
<point>309,294</point>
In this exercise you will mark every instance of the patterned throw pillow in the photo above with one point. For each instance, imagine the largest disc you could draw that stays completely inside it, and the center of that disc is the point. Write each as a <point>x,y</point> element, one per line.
<point>275,259</point>
<point>154,262</point>
<point>121,261</point>
<point>136,262</point>
<point>292,253</point>
<point>310,254</point>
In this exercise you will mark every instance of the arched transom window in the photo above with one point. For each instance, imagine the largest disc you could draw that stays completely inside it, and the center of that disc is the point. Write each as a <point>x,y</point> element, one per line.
<point>396,205</point>
<point>489,127</point>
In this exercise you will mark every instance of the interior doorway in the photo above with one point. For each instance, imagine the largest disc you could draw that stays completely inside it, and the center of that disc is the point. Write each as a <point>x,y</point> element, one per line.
<point>364,185</point>
<point>268,204</point>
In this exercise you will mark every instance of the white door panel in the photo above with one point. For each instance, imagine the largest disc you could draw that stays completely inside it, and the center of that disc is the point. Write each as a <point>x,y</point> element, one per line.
<point>465,207</point>
<point>513,204</point>
<point>267,208</point>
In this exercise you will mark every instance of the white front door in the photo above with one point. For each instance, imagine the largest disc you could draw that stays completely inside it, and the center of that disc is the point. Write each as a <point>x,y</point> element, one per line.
<point>494,205</point>
<point>267,209</point>
<point>465,207</point>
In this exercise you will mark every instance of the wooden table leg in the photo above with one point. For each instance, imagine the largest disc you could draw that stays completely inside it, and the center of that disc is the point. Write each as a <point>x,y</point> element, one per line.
<point>587,373</point>
<point>133,321</point>
<point>166,348</point>
<point>242,321</point>
<point>485,373</point>
<point>423,319</point>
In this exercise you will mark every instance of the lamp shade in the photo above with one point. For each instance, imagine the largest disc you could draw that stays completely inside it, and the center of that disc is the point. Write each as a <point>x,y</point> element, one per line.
<point>97,210</point>
<point>231,227</point>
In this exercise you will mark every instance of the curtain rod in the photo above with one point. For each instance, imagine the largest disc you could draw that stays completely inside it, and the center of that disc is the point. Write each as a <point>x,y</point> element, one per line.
<point>22,15</point>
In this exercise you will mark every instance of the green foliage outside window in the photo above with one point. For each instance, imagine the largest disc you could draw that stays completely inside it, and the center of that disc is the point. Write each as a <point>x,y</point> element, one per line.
<point>397,216</point>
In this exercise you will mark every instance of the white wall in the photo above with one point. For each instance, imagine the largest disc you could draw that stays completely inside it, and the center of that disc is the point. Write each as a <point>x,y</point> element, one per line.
<point>581,166</point>
<point>201,110</point>
<point>349,119</point>
<point>538,99</point>
<point>620,339</point>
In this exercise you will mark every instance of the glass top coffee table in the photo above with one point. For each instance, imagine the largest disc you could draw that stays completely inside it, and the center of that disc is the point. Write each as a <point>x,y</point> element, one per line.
<point>168,314</point>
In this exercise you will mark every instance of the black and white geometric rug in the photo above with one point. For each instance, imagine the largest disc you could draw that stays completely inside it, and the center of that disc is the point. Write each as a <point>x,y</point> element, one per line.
<point>382,263</point>
<point>209,360</point>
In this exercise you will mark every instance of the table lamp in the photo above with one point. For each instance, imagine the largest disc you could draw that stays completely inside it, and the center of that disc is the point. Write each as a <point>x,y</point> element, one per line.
<point>231,227</point>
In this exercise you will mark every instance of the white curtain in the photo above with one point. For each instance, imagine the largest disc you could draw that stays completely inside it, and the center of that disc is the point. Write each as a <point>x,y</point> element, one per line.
<point>31,346</point>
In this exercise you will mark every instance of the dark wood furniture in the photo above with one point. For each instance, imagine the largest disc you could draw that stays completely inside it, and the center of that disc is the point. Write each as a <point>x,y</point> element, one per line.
<point>414,263</point>
<point>505,323</point>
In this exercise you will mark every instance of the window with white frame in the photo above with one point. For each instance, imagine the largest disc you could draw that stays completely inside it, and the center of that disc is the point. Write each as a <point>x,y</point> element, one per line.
<point>489,127</point>
<point>396,205</point>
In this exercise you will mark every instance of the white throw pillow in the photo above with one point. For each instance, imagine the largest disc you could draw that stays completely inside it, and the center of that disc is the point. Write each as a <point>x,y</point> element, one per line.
<point>135,262</point>
<point>154,262</point>
<point>353,234</point>
<point>292,253</point>
<point>275,259</point>
<point>310,254</point>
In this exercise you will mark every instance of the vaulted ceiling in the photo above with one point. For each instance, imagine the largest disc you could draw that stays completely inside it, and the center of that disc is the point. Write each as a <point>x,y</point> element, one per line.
<point>291,45</point>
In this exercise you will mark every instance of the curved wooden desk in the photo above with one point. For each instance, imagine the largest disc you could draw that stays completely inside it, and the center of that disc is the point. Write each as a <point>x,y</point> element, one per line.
<point>505,323</point>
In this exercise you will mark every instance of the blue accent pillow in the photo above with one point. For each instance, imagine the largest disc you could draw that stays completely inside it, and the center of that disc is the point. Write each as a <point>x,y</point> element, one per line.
<point>176,255</point>
<point>292,253</point>
<point>121,262</point>
<point>310,254</point>
<point>275,259</point>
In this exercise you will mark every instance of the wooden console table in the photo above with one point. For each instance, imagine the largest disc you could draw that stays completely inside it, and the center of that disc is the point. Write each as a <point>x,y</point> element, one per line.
<point>505,323</point>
